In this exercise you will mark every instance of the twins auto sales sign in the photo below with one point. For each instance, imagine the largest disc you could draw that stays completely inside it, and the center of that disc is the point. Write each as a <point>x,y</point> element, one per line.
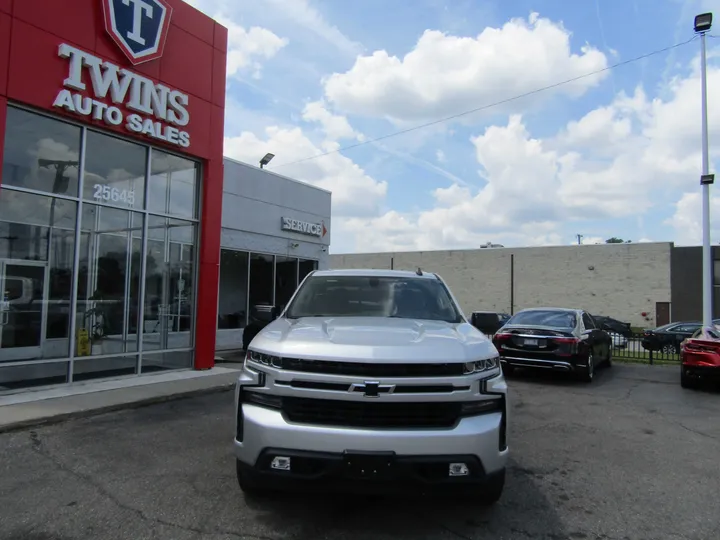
<point>105,92</point>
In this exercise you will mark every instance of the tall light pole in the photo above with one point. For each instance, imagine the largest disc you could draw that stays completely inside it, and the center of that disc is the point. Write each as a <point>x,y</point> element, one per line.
<point>703,23</point>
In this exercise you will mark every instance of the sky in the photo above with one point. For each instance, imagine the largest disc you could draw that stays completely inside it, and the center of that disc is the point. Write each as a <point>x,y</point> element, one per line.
<point>448,124</point>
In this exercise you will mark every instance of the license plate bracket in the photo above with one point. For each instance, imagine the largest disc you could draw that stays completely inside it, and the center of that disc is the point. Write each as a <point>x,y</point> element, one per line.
<point>530,342</point>
<point>369,465</point>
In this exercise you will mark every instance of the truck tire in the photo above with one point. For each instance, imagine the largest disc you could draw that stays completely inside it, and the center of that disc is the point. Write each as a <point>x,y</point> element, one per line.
<point>248,481</point>
<point>491,491</point>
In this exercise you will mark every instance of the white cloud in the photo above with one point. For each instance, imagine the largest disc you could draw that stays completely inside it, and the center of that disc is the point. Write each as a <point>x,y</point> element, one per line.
<point>687,219</point>
<point>246,48</point>
<point>446,74</point>
<point>305,15</point>
<point>354,192</point>
<point>336,127</point>
<point>617,161</point>
<point>440,155</point>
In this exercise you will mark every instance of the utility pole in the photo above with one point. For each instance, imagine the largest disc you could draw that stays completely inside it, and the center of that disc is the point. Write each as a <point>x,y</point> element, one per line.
<point>579,237</point>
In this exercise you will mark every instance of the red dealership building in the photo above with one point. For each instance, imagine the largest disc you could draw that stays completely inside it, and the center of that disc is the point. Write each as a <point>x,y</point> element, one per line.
<point>111,141</point>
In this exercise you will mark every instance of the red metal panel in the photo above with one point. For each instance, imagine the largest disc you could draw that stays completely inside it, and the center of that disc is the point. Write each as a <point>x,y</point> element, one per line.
<point>221,37</point>
<point>6,6</point>
<point>212,213</point>
<point>219,79</point>
<point>3,113</point>
<point>188,64</point>
<point>5,28</point>
<point>210,232</point>
<point>217,129</point>
<point>77,24</point>
<point>192,21</point>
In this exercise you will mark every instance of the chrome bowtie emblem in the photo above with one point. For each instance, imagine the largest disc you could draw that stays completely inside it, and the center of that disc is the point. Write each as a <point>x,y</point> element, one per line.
<point>372,389</point>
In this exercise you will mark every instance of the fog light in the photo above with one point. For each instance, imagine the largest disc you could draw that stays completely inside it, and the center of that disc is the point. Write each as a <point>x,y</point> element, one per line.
<point>458,469</point>
<point>280,463</point>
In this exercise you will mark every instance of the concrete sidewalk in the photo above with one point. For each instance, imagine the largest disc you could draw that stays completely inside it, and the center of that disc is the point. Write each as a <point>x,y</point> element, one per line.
<point>32,408</point>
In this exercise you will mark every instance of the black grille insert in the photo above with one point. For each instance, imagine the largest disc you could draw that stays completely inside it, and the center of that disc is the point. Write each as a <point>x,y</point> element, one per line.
<point>329,367</point>
<point>368,414</point>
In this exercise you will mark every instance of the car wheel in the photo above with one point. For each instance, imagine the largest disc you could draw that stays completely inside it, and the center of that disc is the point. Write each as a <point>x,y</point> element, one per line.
<point>608,362</point>
<point>589,374</point>
<point>248,481</point>
<point>669,349</point>
<point>686,380</point>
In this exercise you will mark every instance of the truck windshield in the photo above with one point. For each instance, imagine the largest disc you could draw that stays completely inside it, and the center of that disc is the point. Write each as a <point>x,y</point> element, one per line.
<point>370,296</point>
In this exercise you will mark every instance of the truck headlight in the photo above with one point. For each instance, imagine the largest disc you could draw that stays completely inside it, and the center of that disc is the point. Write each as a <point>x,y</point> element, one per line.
<point>480,366</point>
<point>264,359</point>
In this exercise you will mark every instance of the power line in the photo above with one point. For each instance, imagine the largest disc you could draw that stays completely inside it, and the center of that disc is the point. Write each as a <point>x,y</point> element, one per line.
<point>491,105</point>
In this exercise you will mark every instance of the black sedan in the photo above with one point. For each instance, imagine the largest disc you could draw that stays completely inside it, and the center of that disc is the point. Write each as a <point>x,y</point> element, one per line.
<point>560,339</point>
<point>667,338</point>
<point>613,325</point>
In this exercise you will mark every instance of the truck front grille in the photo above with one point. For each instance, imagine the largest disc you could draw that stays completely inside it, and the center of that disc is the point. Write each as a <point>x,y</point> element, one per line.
<point>326,412</point>
<point>329,367</point>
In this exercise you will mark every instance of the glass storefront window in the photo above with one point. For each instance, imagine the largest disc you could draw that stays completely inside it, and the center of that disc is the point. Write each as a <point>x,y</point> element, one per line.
<point>36,258</point>
<point>114,171</point>
<point>40,153</point>
<point>108,279</point>
<point>286,274</point>
<point>233,297</point>
<point>262,281</point>
<point>306,266</point>
<point>39,239</point>
<point>169,284</point>
<point>173,185</point>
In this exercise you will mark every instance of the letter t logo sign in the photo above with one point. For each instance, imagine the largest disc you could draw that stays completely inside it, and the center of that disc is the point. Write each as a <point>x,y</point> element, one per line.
<point>139,8</point>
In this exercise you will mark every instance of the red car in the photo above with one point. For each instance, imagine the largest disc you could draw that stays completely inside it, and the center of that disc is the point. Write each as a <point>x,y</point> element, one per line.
<point>700,357</point>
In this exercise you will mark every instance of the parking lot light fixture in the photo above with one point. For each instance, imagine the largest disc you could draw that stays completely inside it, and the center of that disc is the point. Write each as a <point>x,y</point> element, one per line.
<point>267,158</point>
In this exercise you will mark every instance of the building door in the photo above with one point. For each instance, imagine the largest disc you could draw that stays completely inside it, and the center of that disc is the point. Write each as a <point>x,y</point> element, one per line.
<point>662,313</point>
<point>23,309</point>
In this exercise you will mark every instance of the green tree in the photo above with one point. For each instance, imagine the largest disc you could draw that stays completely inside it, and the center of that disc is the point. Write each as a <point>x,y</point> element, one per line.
<point>615,240</point>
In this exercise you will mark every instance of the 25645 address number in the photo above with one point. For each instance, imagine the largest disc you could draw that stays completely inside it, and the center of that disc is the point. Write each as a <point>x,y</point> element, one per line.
<point>106,193</point>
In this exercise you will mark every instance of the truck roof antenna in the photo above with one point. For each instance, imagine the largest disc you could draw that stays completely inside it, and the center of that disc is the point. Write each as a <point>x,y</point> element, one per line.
<point>419,272</point>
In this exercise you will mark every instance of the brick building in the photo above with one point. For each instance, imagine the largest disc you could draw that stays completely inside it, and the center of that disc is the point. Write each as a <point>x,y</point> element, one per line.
<point>644,284</point>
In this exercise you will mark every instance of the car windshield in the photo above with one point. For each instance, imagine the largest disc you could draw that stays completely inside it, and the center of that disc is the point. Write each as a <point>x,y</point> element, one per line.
<point>370,296</point>
<point>555,319</point>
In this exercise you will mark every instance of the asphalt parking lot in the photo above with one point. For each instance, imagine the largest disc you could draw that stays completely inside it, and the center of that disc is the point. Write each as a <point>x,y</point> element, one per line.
<point>631,457</point>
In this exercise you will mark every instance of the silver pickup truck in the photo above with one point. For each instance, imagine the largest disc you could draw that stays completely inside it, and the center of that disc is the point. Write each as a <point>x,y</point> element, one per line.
<point>372,380</point>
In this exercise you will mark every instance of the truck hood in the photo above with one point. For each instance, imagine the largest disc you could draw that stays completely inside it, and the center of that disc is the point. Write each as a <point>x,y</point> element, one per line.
<point>361,339</point>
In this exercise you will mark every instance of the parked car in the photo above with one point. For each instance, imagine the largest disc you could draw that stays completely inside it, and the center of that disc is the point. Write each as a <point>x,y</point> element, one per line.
<point>371,380</point>
<point>613,325</point>
<point>700,357</point>
<point>488,322</point>
<point>618,340</point>
<point>667,338</point>
<point>554,338</point>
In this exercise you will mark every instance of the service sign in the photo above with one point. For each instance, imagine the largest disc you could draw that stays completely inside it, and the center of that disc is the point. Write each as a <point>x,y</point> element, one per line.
<point>303,227</point>
<point>154,110</point>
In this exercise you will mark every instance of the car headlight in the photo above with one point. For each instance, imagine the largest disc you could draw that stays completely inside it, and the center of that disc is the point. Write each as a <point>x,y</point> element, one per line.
<point>264,359</point>
<point>480,366</point>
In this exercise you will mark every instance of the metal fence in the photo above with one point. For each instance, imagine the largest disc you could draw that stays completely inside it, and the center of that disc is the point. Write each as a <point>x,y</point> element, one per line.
<point>630,349</point>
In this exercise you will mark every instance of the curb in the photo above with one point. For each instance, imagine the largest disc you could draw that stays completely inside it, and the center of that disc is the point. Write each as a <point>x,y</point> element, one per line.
<point>60,418</point>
